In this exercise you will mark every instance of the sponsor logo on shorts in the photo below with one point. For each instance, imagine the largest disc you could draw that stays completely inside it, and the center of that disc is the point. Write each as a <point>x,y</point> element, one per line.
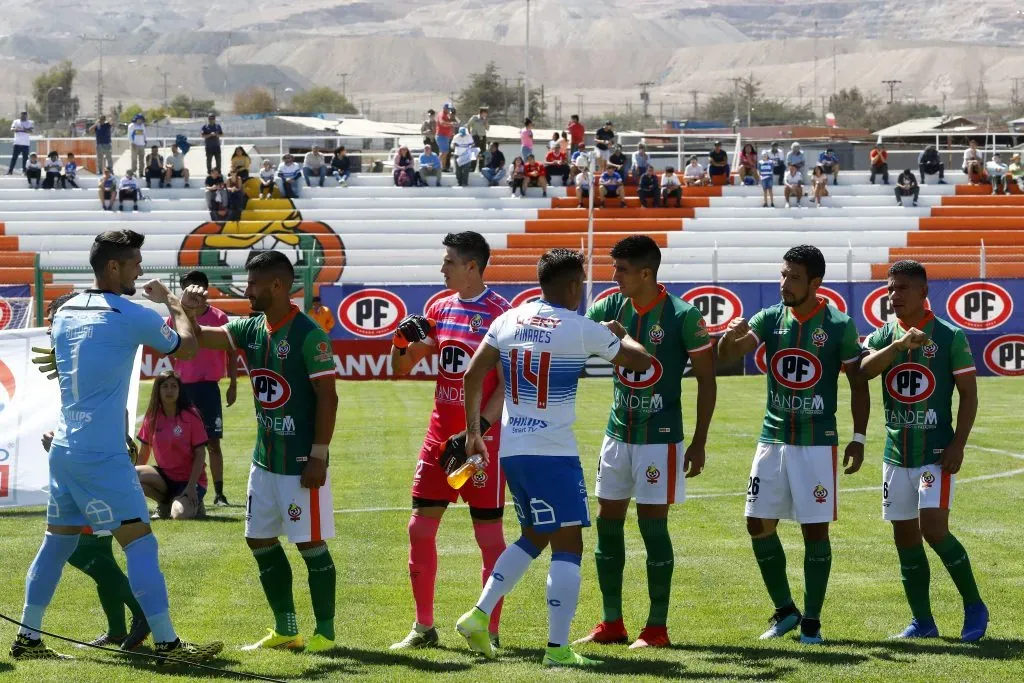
<point>927,479</point>
<point>653,474</point>
<point>283,349</point>
<point>930,349</point>
<point>820,494</point>
<point>657,333</point>
<point>819,337</point>
<point>480,479</point>
<point>294,512</point>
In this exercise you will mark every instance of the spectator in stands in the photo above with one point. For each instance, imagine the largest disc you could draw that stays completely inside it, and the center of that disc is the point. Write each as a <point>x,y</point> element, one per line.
<point>526,139</point>
<point>107,188</point>
<point>517,177</point>
<point>746,168</point>
<point>997,174</point>
<point>154,167</point>
<point>535,176</point>
<point>216,194</point>
<point>128,188</point>
<point>671,187</point>
<point>796,158</point>
<point>137,143</point>
<point>829,162</point>
<point>174,166</point>
<point>445,131</point>
<point>553,142</point>
<point>819,184</point>
<point>52,168</point>
<point>288,174</point>
<point>639,162</point>
<point>322,315</point>
<point>610,185</point>
<point>794,185</point>
<point>428,129</point>
<point>879,159</point>
<point>479,125</point>
<point>563,144</point>
<point>618,160</point>
<point>404,174</point>
<point>694,175</point>
<point>766,168</point>
<point>104,145</point>
<point>647,188</point>
<point>906,186</point>
<point>494,171</point>
<point>236,197</point>
<point>555,164</point>
<point>929,163</point>
<point>972,157</point>
<point>267,177</point>
<point>313,165</point>
<point>22,130</point>
<point>576,131</point>
<point>341,165</point>
<point>240,163</point>
<point>1015,175</point>
<point>718,162</point>
<point>69,179</point>
<point>579,161</point>
<point>604,140</point>
<point>430,166</point>
<point>212,133</point>
<point>584,181</point>
<point>778,162</point>
<point>33,170</point>
<point>466,153</point>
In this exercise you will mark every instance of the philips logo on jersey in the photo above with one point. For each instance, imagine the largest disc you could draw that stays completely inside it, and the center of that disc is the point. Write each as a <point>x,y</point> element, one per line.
<point>525,425</point>
<point>75,333</point>
<point>76,419</point>
<point>640,380</point>
<point>910,383</point>
<point>271,389</point>
<point>454,357</point>
<point>796,369</point>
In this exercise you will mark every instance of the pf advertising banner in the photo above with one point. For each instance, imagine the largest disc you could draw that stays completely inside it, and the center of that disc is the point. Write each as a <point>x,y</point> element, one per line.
<point>29,407</point>
<point>15,302</point>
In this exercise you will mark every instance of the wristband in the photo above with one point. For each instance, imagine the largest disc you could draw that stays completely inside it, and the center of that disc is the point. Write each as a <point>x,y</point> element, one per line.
<point>399,340</point>
<point>484,425</point>
<point>318,451</point>
<point>859,438</point>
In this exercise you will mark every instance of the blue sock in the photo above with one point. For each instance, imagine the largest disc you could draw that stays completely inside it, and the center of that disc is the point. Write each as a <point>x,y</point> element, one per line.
<point>508,569</point>
<point>563,595</point>
<point>43,576</point>
<point>148,586</point>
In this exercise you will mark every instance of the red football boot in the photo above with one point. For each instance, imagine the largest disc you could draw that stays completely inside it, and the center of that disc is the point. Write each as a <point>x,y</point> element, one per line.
<point>606,633</point>
<point>652,636</point>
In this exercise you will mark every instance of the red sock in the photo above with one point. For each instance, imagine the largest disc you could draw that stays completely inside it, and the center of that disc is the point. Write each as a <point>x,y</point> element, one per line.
<point>423,565</point>
<point>491,539</point>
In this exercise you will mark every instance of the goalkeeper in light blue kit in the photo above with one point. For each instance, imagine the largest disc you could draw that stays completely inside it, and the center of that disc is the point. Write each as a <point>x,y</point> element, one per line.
<point>96,336</point>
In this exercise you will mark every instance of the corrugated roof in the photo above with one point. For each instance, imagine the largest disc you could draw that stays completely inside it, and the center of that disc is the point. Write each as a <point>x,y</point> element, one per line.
<point>928,124</point>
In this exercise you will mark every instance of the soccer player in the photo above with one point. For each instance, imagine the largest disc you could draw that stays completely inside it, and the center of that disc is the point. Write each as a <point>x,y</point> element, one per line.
<point>921,358</point>
<point>92,481</point>
<point>807,341</point>
<point>200,380</point>
<point>291,367</point>
<point>542,347</point>
<point>454,327</point>
<point>640,455</point>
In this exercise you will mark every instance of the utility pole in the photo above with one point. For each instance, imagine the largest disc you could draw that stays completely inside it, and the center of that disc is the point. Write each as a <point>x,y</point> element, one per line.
<point>645,96</point>
<point>579,105</point>
<point>693,94</point>
<point>273,88</point>
<point>735,101</point>
<point>99,40</point>
<point>834,69</point>
<point>891,84</point>
<point>1015,96</point>
<point>344,84</point>
<point>814,95</point>
<point>164,74</point>
<point>526,68</point>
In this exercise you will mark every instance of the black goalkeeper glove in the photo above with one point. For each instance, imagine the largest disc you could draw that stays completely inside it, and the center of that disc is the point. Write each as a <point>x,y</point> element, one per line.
<point>414,328</point>
<point>133,449</point>
<point>454,454</point>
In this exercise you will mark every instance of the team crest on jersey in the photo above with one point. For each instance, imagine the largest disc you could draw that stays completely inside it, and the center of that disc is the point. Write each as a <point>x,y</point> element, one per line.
<point>930,349</point>
<point>480,479</point>
<point>294,512</point>
<point>178,431</point>
<point>323,352</point>
<point>653,474</point>
<point>820,494</point>
<point>657,334</point>
<point>283,349</point>
<point>476,322</point>
<point>927,479</point>
<point>702,329</point>
<point>819,337</point>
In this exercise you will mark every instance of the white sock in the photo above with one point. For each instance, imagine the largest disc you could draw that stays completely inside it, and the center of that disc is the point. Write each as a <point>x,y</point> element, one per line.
<point>563,595</point>
<point>510,567</point>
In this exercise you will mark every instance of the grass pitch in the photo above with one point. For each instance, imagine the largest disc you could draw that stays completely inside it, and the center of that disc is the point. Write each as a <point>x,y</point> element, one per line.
<point>719,605</point>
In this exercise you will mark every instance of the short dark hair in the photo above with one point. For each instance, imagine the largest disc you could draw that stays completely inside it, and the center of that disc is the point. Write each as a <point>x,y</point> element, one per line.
<point>574,117</point>
<point>470,246</point>
<point>810,257</point>
<point>913,269</point>
<point>113,245</point>
<point>271,262</point>
<point>195,277</point>
<point>556,266</point>
<point>527,121</point>
<point>638,250</point>
<point>58,302</point>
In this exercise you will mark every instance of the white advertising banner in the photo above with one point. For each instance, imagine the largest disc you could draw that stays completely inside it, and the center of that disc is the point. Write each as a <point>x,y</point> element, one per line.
<point>29,406</point>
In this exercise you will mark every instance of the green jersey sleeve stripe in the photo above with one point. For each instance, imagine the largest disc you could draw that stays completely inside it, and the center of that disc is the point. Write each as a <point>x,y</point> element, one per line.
<point>964,371</point>
<point>700,348</point>
<point>322,373</point>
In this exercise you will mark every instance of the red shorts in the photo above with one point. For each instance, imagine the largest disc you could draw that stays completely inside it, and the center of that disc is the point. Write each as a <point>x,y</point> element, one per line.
<point>485,490</point>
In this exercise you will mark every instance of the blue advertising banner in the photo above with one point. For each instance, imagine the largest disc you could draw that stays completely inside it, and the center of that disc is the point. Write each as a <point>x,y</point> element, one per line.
<point>15,306</point>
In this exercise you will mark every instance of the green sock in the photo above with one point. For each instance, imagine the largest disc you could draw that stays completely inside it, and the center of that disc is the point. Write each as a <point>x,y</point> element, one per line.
<point>660,562</point>
<point>323,578</point>
<point>610,556</point>
<point>958,565</point>
<point>817,565</point>
<point>95,557</point>
<point>771,559</point>
<point>276,577</point>
<point>916,576</point>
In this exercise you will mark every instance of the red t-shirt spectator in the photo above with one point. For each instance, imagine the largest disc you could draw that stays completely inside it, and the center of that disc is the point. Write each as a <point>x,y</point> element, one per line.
<point>444,124</point>
<point>879,157</point>
<point>576,133</point>
<point>173,439</point>
<point>555,156</point>
<point>533,169</point>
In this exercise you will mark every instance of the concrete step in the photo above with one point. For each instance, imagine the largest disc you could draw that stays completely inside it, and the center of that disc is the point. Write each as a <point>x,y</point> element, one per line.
<point>117,220</point>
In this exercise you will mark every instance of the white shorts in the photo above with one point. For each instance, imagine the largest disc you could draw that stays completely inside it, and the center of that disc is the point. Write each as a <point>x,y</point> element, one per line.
<point>905,490</point>
<point>651,473</point>
<point>604,154</point>
<point>277,505</point>
<point>793,482</point>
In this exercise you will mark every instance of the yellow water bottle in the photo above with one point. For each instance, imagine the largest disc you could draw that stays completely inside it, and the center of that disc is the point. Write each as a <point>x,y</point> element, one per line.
<point>459,477</point>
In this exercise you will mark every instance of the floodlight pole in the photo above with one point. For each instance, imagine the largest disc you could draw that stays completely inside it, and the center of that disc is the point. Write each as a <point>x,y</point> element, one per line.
<point>526,69</point>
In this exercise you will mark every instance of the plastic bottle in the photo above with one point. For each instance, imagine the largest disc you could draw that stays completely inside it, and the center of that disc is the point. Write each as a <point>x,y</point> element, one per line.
<point>459,477</point>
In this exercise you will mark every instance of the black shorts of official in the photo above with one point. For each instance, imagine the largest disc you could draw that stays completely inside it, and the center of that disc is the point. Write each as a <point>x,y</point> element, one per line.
<point>205,396</point>
<point>177,488</point>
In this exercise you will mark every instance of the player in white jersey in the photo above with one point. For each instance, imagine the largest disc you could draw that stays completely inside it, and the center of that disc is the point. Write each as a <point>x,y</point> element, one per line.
<point>542,346</point>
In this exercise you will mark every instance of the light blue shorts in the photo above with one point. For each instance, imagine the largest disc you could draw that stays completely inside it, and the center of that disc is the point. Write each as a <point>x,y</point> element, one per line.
<point>548,491</point>
<point>444,143</point>
<point>100,490</point>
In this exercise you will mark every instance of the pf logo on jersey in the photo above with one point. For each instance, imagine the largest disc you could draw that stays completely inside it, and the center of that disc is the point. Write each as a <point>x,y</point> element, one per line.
<point>979,305</point>
<point>371,313</point>
<point>718,305</point>
<point>640,380</point>
<point>910,383</point>
<point>271,389</point>
<point>796,369</point>
<point>1005,355</point>
<point>454,357</point>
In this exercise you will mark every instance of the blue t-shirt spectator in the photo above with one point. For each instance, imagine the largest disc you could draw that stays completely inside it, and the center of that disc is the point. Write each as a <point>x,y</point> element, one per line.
<point>430,161</point>
<point>765,167</point>
<point>611,179</point>
<point>103,133</point>
<point>828,158</point>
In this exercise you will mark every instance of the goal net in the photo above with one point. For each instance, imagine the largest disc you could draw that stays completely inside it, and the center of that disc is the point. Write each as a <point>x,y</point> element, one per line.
<point>16,310</point>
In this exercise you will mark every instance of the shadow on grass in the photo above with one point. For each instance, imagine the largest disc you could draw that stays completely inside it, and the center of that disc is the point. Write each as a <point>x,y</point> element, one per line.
<point>333,662</point>
<point>769,657</point>
<point>148,668</point>
<point>23,512</point>
<point>5,667</point>
<point>993,649</point>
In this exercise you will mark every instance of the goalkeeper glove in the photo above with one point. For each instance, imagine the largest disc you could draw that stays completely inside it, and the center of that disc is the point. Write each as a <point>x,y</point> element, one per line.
<point>414,328</point>
<point>133,449</point>
<point>454,454</point>
<point>46,359</point>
